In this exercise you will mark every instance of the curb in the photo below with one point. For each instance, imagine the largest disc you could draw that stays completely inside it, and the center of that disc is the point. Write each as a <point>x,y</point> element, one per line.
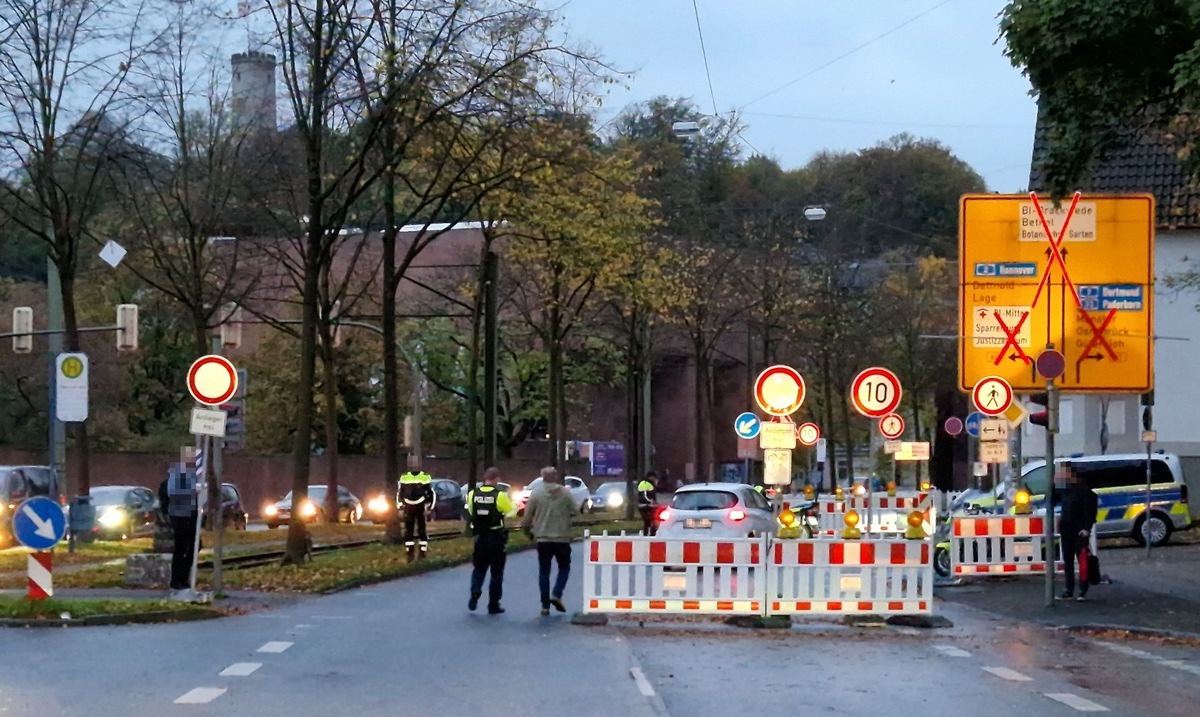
<point>134,618</point>
<point>1139,631</point>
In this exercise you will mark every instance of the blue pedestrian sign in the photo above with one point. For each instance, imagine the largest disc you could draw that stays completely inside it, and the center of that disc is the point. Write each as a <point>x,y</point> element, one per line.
<point>747,425</point>
<point>39,523</point>
<point>973,422</point>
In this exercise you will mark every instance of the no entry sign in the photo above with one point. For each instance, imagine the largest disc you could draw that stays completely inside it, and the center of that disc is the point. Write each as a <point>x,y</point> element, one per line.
<point>212,380</point>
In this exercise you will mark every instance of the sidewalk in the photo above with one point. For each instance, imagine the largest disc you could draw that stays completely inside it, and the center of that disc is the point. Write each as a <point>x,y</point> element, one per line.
<point>1160,594</point>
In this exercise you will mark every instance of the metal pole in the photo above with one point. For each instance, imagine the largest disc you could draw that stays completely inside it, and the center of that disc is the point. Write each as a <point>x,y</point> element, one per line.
<point>418,398</point>
<point>1147,422</point>
<point>203,444</point>
<point>646,415</point>
<point>490,376</point>
<point>213,473</point>
<point>1049,548</point>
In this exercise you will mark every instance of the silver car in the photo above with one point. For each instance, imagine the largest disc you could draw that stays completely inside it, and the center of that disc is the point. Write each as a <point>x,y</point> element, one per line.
<point>717,510</point>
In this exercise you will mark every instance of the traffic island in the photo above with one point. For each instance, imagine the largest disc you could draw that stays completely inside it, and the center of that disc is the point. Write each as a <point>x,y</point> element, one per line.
<point>921,621</point>
<point>75,612</point>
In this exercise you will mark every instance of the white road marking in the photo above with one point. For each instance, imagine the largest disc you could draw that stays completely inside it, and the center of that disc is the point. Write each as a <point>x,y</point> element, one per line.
<point>1126,650</point>
<point>333,617</point>
<point>951,651</point>
<point>643,684</point>
<point>302,625</point>
<point>1006,674</point>
<point>275,646</point>
<point>240,669</point>
<point>200,696</point>
<point>1076,702</point>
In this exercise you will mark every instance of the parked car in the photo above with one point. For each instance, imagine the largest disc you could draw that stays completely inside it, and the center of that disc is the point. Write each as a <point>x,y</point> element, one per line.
<point>17,483</point>
<point>725,510</point>
<point>579,491</point>
<point>233,513</point>
<point>609,496</point>
<point>123,511</point>
<point>312,510</point>
<point>448,500</point>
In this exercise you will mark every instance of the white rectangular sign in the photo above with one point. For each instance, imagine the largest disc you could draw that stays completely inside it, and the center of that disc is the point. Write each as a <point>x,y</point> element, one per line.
<point>71,387</point>
<point>777,436</point>
<point>987,329</point>
<point>993,451</point>
<point>978,469</point>
<point>777,466</point>
<point>208,422</point>
<point>891,447</point>
<point>993,429</point>
<point>1082,227</point>
<point>821,449</point>
<point>913,451</point>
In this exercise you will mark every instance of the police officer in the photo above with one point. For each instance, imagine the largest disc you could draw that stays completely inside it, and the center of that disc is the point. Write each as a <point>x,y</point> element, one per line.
<point>416,494</point>
<point>647,500</point>
<point>486,509</point>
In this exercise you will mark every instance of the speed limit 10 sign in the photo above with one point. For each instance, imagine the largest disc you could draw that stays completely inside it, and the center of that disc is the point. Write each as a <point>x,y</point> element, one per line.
<point>875,392</point>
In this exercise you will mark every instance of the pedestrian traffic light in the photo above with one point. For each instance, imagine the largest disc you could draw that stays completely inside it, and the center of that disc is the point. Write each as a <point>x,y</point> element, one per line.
<point>127,327</point>
<point>22,327</point>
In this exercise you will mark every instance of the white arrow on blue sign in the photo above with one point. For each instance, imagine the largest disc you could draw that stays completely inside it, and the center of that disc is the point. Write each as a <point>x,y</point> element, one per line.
<point>39,523</point>
<point>747,425</point>
<point>973,422</point>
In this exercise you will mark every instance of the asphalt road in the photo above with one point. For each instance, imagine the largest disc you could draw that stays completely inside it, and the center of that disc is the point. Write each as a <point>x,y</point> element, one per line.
<point>410,647</point>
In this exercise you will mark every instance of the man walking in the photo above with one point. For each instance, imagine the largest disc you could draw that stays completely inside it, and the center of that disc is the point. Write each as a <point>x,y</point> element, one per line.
<point>487,507</point>
<point>416,495</point>
<point>1079,507</point>
<point>647,501</point>
<point>547,521</point>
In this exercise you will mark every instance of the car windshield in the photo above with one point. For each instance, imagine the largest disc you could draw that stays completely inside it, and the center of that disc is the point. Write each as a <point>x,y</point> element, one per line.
<point>315,492</point>
<point>108,496</point>
<point>703,500</point>
<point>607,488</point>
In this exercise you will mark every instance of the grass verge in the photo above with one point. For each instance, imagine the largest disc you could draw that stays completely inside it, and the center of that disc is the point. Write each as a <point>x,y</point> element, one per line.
<point>97,552</point>
<point>77,608</point>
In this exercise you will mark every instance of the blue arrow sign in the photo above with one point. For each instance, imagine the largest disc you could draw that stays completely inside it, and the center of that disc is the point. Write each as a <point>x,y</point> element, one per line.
<point>973,422</point>
<point>39,523</point>
<point>747,425</point>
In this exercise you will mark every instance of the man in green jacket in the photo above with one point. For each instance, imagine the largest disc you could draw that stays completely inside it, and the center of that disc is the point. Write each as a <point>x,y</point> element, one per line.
<point>548,515</point>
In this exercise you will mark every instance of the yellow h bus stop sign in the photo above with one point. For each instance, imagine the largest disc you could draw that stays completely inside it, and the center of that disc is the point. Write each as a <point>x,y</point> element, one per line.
<point>1079,276</point>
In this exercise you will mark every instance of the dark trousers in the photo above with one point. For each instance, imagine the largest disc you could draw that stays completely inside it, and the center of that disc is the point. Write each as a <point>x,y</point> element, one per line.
<point>553,552</point>
<point>415,514</point>
<point>489,555</point>
<point>1071,545</point>
<point>647,512</point>
<point>181,556</point>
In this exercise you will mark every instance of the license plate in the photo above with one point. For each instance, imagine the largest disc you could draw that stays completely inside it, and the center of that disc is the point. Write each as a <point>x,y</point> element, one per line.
<point>675,582</point>
<point>697,523</point>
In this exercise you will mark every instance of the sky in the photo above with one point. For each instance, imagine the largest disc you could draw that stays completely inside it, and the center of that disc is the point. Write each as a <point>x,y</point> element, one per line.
<point>813,75</point>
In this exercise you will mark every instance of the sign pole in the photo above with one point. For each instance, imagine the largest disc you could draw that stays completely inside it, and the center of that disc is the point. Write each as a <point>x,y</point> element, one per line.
<point>1147,424</point>
<point>1051,429</point>
<point>216,514</point>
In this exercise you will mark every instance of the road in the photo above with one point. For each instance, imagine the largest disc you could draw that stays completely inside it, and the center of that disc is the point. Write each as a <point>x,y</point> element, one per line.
<point>410,647</point>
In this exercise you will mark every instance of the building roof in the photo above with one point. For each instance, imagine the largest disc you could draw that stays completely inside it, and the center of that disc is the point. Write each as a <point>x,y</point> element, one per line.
<point>1149,162</point>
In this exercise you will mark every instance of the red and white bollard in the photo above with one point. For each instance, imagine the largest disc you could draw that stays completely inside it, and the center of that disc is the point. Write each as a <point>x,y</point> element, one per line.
<point>40,584</point>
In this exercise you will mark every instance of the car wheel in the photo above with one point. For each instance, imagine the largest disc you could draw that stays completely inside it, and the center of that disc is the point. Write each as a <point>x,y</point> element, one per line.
<point>1157,529</point>
<point>941,562</point>
<point>351,516</point>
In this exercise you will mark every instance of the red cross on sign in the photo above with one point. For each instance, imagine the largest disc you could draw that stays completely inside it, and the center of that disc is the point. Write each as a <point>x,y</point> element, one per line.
<point>1010,338</point>
<point>1056,256</point>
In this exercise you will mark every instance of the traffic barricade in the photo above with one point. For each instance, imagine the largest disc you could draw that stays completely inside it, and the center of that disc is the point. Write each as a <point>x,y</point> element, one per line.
<point>849,577</point>
<point>674,575</point>
<point>999,545</point>
<point>888,515</point>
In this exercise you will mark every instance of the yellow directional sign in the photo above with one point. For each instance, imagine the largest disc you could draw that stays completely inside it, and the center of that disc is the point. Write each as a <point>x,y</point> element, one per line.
<point>1032,274</point>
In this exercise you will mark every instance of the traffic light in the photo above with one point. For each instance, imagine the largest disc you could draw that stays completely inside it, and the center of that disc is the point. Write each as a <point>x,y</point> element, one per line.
<point>231,326</point>
<point>1040,418</point>
<point>127,327</point>
<point>22,325</point>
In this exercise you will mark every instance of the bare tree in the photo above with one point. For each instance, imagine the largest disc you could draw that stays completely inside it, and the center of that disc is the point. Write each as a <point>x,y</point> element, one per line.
<point>64,69</point>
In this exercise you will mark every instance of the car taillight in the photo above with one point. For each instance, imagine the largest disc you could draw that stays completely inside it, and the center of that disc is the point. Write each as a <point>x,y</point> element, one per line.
<point>737,514</point>
<point>664,514</point>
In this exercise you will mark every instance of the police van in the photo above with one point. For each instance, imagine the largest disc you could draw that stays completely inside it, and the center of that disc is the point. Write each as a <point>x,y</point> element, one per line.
<point>1119,481</point>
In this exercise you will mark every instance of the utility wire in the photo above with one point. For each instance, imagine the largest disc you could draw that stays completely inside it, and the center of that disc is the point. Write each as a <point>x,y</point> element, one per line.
<point>844,55</point>
<point>704,53</point>
<point>886,123</point>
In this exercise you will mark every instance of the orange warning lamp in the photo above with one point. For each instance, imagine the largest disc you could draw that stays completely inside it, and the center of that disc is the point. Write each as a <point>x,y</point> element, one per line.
<point>916,526</point>
<point>925,485</point>
<point>808,492</point>
<point>787,517</point>
<point>891,488</point>
<point>839,493</point>
<point>851,532</point>
<point>1021,502</point>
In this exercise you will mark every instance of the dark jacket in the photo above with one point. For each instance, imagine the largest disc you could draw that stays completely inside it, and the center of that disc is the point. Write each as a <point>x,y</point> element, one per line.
<point>1079,506</point>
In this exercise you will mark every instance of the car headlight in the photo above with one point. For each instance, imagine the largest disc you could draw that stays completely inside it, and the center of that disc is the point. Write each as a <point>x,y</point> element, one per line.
<point>308,510</point>
<point>270,511</point>
<point>615,500</point>
<point>378,504</point>
<point>112,517</point>
<point>358,512</point>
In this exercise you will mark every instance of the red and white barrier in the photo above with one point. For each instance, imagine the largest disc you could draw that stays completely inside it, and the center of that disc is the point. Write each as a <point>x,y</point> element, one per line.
<point>41,585</point>
<point>999,545</point>
<point>659,575</point>
<point>850,577</point>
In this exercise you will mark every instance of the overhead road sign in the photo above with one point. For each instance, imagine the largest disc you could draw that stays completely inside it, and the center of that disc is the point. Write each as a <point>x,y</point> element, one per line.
<point>779,390</point>
<point>1078,276</point>
<point>992,395</point>
<point>212,380</point>
<point>875,392</point>
<point>747,425</point>
<point>39,523</point>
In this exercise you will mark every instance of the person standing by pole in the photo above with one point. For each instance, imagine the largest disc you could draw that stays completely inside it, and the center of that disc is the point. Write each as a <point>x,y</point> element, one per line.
<point>487,506</point>
<point>416,495</point>
<point>178,495</point>
<point>1079,507</point>
<point>547,521</point>
<point>647,501</point>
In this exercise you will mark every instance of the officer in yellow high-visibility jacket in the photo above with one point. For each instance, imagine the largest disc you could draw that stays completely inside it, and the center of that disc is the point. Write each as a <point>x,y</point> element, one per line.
<point>416,495</point>
<point>486,508</point>
<point>647,503</point>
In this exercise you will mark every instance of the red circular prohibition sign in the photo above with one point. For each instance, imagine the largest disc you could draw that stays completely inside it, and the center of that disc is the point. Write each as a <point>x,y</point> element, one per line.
<point>212,380</point>
<point>883,399</point>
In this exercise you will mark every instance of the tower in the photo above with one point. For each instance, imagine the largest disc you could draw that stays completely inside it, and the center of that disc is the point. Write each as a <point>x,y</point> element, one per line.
<point>253,91</point>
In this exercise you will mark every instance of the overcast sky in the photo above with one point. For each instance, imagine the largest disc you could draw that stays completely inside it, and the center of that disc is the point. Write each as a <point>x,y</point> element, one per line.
<point>809,75</point>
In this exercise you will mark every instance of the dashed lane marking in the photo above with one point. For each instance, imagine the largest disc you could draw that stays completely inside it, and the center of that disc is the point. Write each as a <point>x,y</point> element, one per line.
<point>1076,702</point>
<point>303,625</point>
<point>240,669</point>
<point>1006,674</point>
<point>643,684</point>
<point>333,617</point>
<point>275,646</point>
<point>1182,665</point>
<point>200,696</point>
<point>951,651</point>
